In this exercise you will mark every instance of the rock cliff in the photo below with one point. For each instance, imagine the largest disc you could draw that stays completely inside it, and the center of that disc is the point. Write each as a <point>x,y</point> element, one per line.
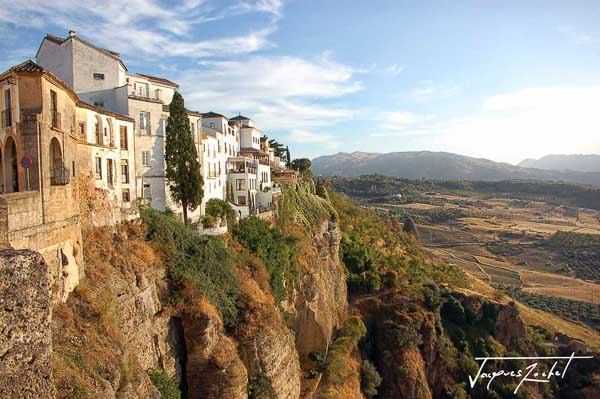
<point>25,338</point>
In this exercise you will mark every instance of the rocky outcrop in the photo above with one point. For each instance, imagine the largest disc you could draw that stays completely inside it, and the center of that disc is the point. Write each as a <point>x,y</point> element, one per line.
<point>214,369</point>
<point>25,335</point>
<point>319,305</point>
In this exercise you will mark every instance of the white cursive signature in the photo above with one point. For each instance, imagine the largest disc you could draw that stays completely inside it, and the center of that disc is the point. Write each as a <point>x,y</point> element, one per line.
<point>531,373</point>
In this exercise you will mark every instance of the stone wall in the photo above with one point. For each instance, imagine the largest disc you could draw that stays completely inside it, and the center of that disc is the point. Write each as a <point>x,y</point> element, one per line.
<point>25,335</point>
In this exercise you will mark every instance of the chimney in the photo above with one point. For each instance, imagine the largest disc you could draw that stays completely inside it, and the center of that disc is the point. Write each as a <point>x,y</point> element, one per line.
<point>72,33</point>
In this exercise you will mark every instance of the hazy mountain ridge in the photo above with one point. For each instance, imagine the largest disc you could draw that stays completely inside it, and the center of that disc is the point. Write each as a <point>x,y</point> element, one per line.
<point>438,165</point>
<point>575,162</point>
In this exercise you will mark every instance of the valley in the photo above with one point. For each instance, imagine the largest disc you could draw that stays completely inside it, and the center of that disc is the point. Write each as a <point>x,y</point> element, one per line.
<point>542,251</point>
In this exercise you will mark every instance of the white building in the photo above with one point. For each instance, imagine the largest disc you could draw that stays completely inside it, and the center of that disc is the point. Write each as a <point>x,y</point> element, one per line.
<point>100,77</point>
<point>106,155</point>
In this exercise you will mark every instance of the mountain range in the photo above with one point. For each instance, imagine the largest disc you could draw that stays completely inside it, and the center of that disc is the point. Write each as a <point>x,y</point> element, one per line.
<point>578,162</point>
<point>440,166</point>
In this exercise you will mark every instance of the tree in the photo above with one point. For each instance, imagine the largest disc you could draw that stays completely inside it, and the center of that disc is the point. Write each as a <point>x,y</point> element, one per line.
<point>288,158</point>
<point>277,147</point>
<point>301,164</point>
<point>182,166</point>
<point>410,227</point>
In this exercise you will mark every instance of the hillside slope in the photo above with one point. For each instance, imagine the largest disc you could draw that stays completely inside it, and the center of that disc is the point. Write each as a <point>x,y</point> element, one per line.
<point>577,162</point>
<point>438,165</point>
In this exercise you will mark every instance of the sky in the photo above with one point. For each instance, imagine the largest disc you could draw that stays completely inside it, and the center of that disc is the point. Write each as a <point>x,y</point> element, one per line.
<point>499,79</point>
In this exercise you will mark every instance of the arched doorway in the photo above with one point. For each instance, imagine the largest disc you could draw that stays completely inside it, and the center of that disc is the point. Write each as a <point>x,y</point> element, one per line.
<point>11,166</point>
<point>57,169</point>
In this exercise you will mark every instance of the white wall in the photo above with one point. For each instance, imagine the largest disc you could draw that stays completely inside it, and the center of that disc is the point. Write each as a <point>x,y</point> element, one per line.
<point>58,59</point>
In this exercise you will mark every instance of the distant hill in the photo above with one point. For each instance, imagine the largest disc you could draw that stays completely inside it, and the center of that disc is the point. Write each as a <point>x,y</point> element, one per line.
<point>438,165</point>
<point>581,163</point>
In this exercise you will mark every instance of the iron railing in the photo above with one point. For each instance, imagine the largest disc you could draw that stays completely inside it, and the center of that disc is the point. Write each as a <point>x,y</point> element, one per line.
<point>59,175</point>
<point>7,118</point>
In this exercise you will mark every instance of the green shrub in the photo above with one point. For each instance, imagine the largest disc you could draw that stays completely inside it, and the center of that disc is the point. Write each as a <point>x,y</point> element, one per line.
<point>221,209</point>
<point>276,250</point>
<point>202,263</point>
<point>370,379</point>
<point>259,387</point>
<point>167,386</point>
<point>208,221</point>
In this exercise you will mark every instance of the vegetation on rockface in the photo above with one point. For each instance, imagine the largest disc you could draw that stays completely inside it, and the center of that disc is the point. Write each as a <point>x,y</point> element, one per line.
<point>196,265</point>
<point>337,372</point>
<point>89,348</point>
<point>274,248</point>
<point>259,387</point>
<point>370,379</point>
<point>301,207</point>
<point>378,253</point>
<point>182,168</point>
<point>167,386</point>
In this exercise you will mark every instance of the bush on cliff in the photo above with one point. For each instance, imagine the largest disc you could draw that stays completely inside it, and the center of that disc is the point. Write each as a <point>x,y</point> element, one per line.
<point>274,248</point>
<point>196,265</point>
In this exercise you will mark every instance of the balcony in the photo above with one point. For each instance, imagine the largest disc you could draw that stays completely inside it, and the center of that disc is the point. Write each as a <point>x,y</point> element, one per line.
<point>56,120</point>
<point>6,118</point>
<point>59,175</point>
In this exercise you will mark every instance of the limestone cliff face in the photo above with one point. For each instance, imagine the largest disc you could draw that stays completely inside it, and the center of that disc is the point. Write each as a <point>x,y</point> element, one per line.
<point>319,305</point>
<point>214,369</point>
<point>25,339</point>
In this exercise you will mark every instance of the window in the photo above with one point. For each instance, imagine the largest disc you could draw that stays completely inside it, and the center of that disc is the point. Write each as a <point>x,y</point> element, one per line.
<point>124,171</point>
<point>125,195</point>
<point>212,125</point>
<point>110,172</point>
<point>7,112</point>
<point>141,89</point>
<point>144,122</point>
<point>98,136</point>
<point>157,95</point>
<point>123,138</point>
<point>82,129</point>
<point>147,193</point>
<point>98,168</point>
<point>239,184</point>
<point>145,158</point>
<point>98,76</point>
<point>54,114</point>
<point>193,129</point>
<point>73,167</point>
<point>99,103</point>
<point>242,200</point>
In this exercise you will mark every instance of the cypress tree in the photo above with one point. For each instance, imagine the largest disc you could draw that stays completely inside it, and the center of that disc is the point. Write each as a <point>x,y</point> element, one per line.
<point>288,158</point>
<point>182,166</point>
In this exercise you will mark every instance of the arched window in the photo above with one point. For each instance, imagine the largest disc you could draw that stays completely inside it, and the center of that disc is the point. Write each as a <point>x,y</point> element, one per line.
<point>59,175</point>
<point>10,165</point>
<point>98,131</point>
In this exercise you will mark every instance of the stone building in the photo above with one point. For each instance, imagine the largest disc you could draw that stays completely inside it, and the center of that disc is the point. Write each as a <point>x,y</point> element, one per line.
<point>64,164</point>
<point>39,204</point>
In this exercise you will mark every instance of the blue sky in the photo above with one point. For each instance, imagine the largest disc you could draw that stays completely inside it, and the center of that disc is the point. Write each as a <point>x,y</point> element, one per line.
<point>504,80</point>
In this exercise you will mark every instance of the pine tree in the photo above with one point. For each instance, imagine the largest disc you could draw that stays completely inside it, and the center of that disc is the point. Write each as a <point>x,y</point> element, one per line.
<point>182,166</point>
<point>288,158</point>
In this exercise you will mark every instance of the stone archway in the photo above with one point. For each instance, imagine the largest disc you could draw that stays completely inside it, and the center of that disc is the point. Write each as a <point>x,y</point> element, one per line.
<point>1,171</point>
<point>11,166</point>
<point>57,169</point>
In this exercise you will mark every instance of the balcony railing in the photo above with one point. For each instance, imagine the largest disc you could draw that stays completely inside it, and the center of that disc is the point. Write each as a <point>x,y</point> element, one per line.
<point>59,175</point>
<point>6,118</point>
<point>56,119</point>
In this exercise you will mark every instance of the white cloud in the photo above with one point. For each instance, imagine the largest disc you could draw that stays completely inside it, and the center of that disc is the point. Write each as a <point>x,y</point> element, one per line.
<point>308,137</point>
<point>428,91</point>
<point>280,92</point>
<point>143,27</point>
<point>578,37</point>
<point>512,126</point>
<point>394,69</point>
<point>268,6</point>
